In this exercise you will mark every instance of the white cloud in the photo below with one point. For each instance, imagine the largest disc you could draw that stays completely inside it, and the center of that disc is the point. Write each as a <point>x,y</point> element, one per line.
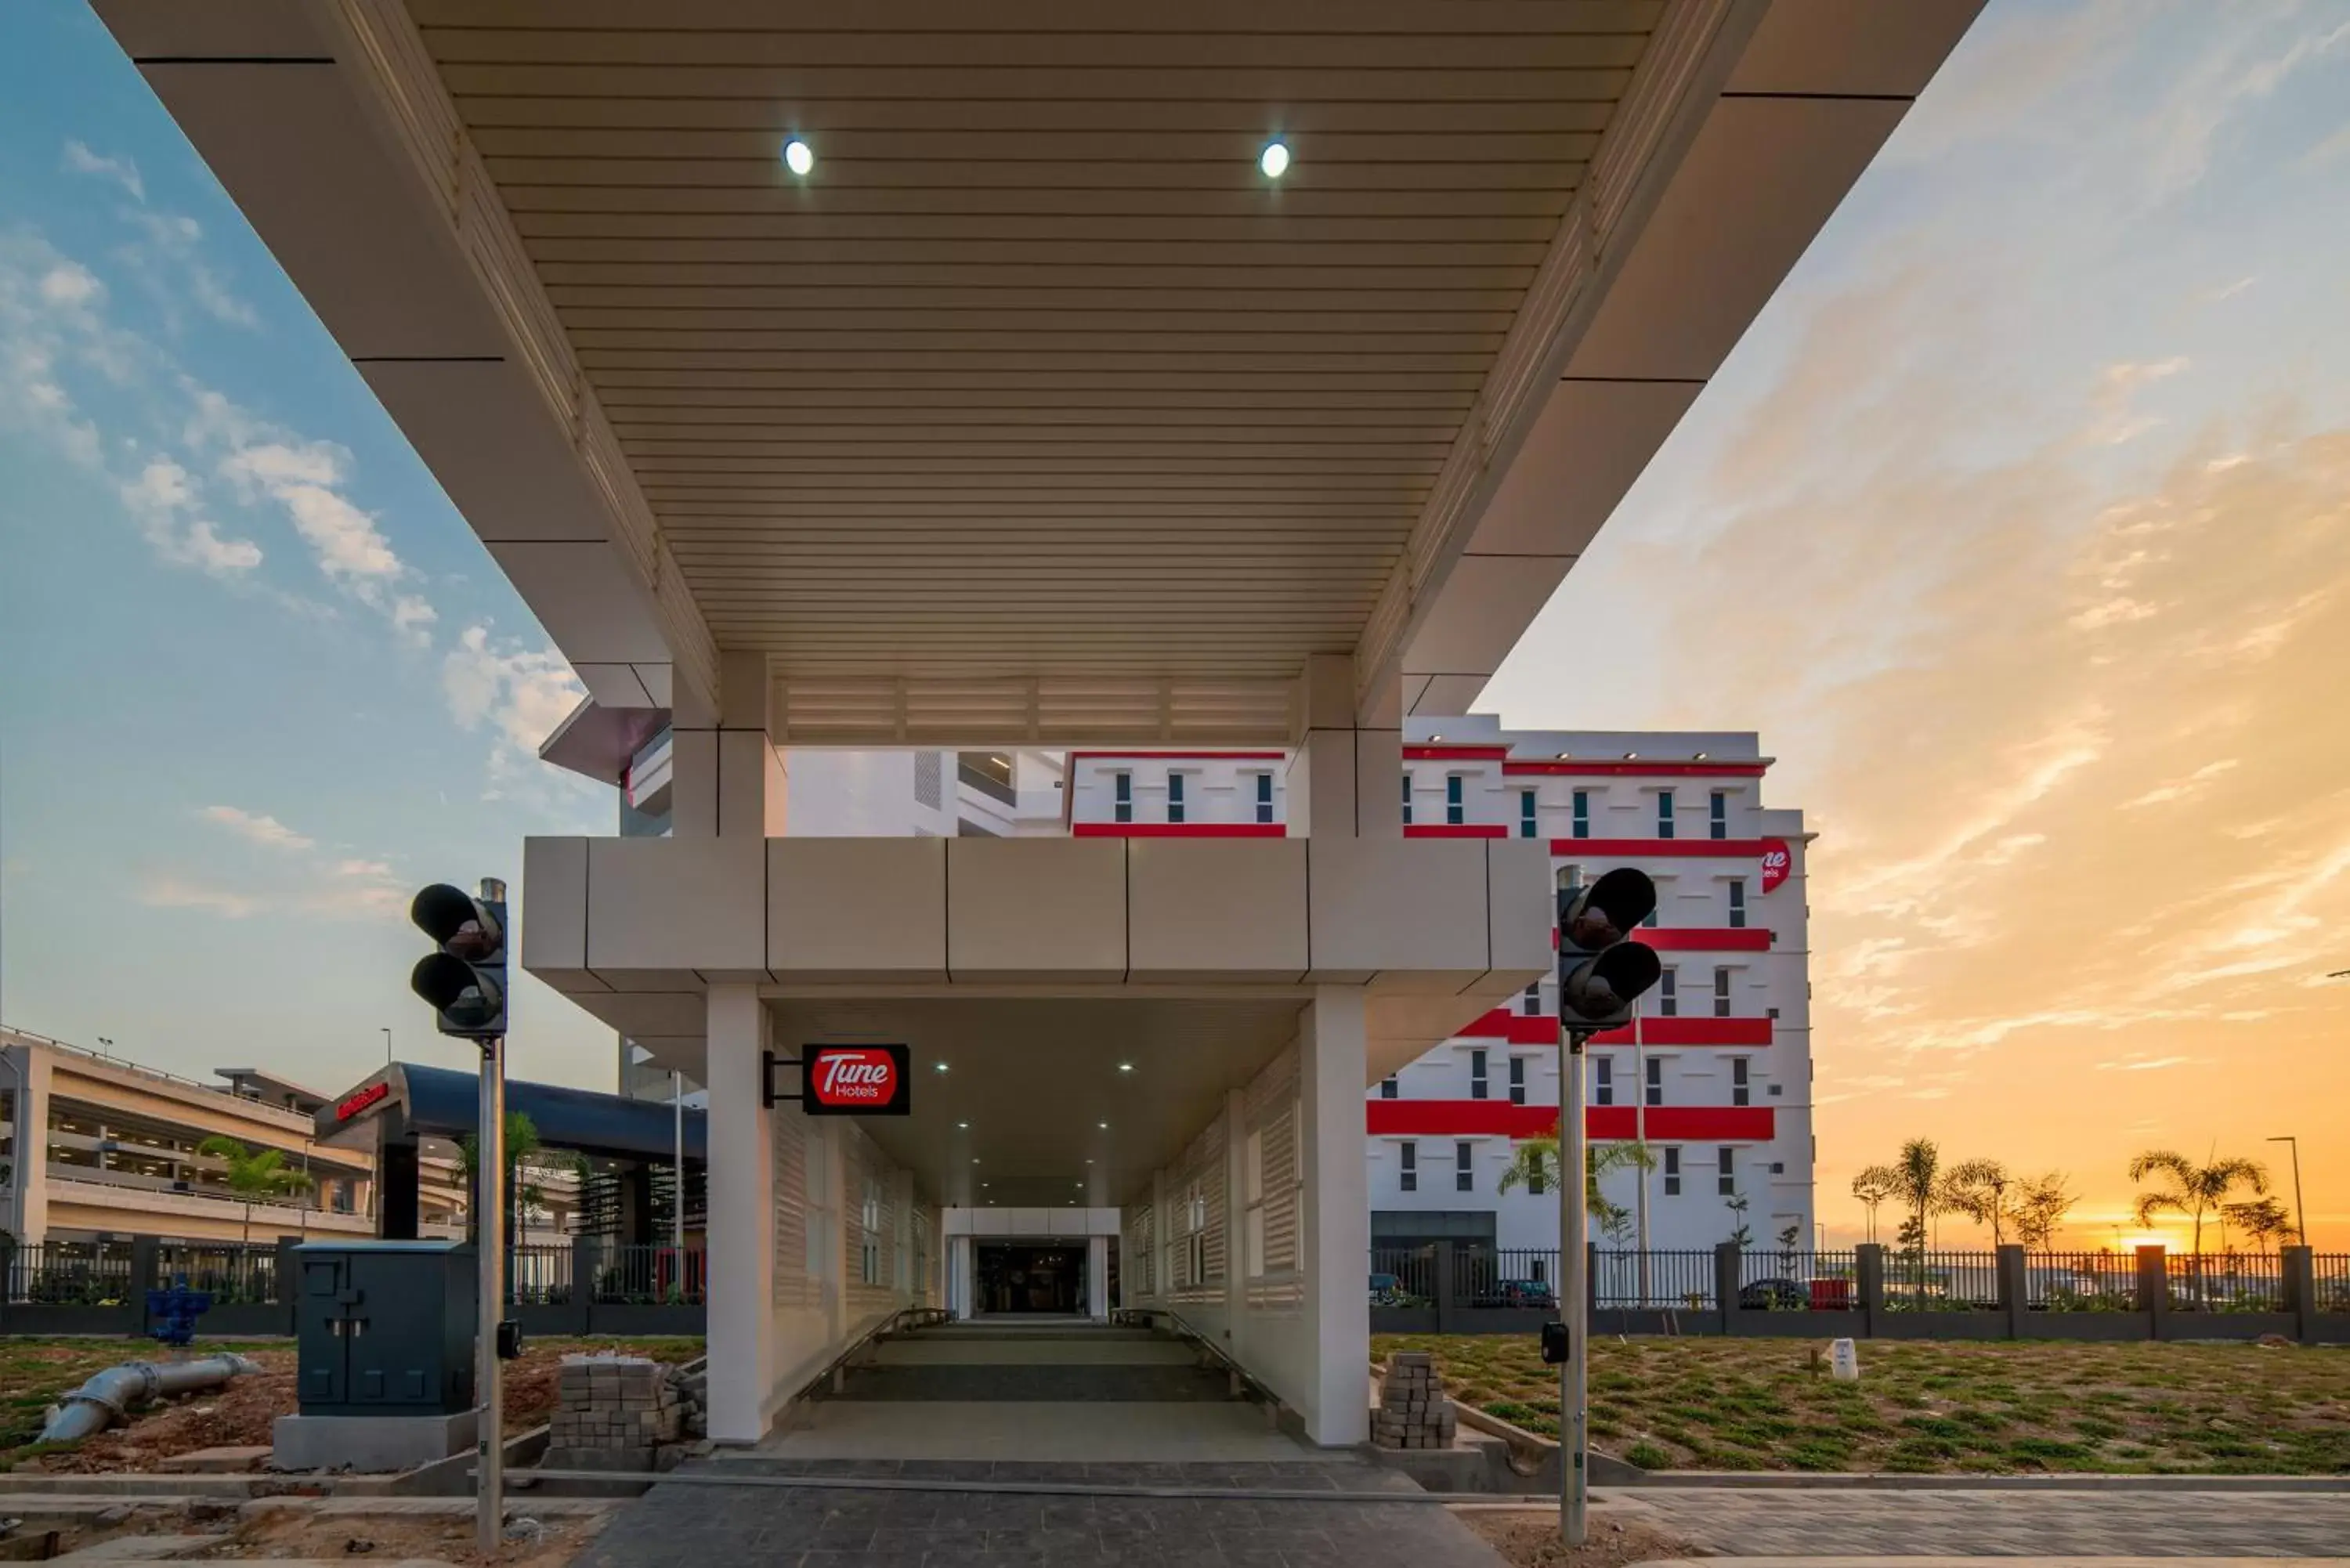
<point>410,616</point>
<point>71,283</point>
<point>256,827</point>
<point>361,868</point>
<point>160,497</point>
<point>79,160</point>
<point>166,892</point>
<point>525,693</point>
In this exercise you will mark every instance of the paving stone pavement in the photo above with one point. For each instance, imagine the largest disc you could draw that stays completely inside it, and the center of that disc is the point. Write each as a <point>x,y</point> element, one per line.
<point>1827,1522</point>
<point>684,1525</point>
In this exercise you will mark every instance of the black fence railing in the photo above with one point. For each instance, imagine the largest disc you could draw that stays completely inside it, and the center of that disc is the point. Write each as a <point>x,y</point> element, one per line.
<point>1403,1276</point>
<point>2080,1281</point>
<point>70,1274</point>
<point>539,1275</point>
<point>1506,1277</point>
<point>2330,1282</point>
<point>1932,1280</point>
<point>233,1273</point>
<point>2226,1282</point>
<point>1680,1280</point>
<point>639,1275</point>
<point>1787,1279</point>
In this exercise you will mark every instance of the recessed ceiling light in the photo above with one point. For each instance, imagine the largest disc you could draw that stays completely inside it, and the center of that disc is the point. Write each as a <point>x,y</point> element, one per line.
<point>964,1127</point>
<point>1701,757</point>
<point>1104,1126</point>
<point>1274,160</point>
<point>1629,756</point>
<point>1126,1066</point>
<point>938,1066</point>
<point>974,1159</point>
<point>985,1184</point>
<point>1436,737</point>
<point>798,156</point>
<point>1089,1162</point>
<point>1563,756</point>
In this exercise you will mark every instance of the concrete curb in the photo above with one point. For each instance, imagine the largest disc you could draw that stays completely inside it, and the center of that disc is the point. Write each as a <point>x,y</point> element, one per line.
<point>1833,1480</point>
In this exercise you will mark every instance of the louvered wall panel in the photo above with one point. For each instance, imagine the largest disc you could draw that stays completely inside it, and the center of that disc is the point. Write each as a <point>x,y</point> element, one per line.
<point>1272,1116</point>
<point>1198,1189</point>
<point>1138,1252</point>
<point>868,1216</point>
<point>794,1287</point>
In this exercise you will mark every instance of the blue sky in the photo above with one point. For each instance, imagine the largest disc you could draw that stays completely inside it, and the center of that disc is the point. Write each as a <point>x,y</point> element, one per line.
<point>2017,525</point>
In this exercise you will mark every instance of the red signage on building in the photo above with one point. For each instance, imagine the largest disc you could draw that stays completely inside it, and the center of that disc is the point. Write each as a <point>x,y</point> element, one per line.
<point>855,1081</point>
<point>362,1100</point>
<point>1776,863</point>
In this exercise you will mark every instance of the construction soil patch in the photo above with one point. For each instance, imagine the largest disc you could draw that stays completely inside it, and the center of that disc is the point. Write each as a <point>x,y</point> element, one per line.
<point>35,1374</point>
<point>449,1538</point>
<point>2024,1407</point>
<point>1530,1540</point>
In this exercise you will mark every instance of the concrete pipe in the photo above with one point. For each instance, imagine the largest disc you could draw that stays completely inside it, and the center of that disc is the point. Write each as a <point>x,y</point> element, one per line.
<point>112,1395</point>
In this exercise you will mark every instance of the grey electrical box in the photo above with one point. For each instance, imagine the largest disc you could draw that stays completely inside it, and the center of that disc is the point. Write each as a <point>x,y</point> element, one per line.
<point>385,1328</point>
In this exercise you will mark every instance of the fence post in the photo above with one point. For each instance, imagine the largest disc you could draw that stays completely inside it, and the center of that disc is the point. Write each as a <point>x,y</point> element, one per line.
<point>2014,1287</point>
<point>1445,1273</point>
<point>142,1278</point>
<point>288,1279</point>
<point>2154,1290</point>
<point>2300,1268</point>
<point>1728,1268</point>
<point>1590,1285</point>
<point>583,1279</point>
<point>1869,1264</point>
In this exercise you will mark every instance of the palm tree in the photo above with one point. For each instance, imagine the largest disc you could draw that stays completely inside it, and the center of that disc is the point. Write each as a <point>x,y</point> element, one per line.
<point>2040,1206</point>
<point>523,1143</point>
<point>2193,1190</point>
<point>1917,1181</point>
<point>2265,1219</point>
<point>1534,1164</point>
<point>1978,1190</point>
<point>254,1174</point>
<point>1873,1185</point>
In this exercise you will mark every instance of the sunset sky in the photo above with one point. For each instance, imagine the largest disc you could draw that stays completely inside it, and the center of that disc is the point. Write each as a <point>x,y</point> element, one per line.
<point>2019,526</point>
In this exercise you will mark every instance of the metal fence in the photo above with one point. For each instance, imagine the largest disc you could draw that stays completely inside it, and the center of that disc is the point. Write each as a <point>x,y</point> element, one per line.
<point>69,1274</point>
<point>234,1274</point>
<point>2226,1282</point>
<point>2330,1281</point>
<point>1788,1279</point>
<point>640,1275</point>
<point>1680,1280</point>
<point>1403,1276</point>
<point>1937,1281</point>
<point>539,1275</point>
<point>1506,1277</point>
<point>2080,1281</point>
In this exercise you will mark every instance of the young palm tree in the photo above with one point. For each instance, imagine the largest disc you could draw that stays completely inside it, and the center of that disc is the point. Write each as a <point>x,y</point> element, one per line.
<point>254,1174</point>
<point>1873,1185</point>
<point>2193,1190</point>
<point>1978,1190</point>
<point>2265,1219</point>
<point>1918,1182</point>
<point>1534,1164</point>
<point>2040,1207</point>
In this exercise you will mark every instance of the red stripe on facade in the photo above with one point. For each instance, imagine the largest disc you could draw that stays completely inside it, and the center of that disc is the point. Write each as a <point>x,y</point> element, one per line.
<point>1500,1118</point>
<point>1435,753</point>
<point>1658,848</point>
<point>1571,768</point>
<point>1516,1028</point>
<point>1177,830</point>
<point>1693,940</point>
<point>1693,1031</point>
<point>1455,830</point>
<point>1076,757</point>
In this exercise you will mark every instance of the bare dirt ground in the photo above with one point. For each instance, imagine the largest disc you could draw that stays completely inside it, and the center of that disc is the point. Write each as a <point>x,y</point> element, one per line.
<point>292,1534</point>
<point>240,1414</point>
<point>1530,1540</point>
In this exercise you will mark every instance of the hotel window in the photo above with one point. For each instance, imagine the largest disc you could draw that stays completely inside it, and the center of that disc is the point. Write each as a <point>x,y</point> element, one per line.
<point>1174,797</point>
<point>1265,797</point>
<point>1477,1090</point>
<point>1121,794</point>
<point>1532,999</point>
<point>1725,1181</point>
<point>1664,814</point>
<point>1672,1172</point>
<point>1721,994</point>
<point>1455,809</point>
<point>1408,1163</point>
<point>1464,1168</point>
<point>1603,1080</point>
<point>1654,1089</point>
<point>1738,903</point>
<point>1535,1185</point>
<point>1582,828</point>
<point>1741,1093</point>
<point>1517,1080</point>
<point>1389,1088</point>
<point>1717,814</point>
<point>1526,815</point>
<point>1407,799</point>
<point>1668,1000</point>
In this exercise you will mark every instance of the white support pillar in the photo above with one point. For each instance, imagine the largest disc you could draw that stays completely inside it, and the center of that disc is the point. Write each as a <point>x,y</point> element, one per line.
<point>741,1185</point>
<point>1346,774</point>
<point>1336,1217</point>
<point>1097,1302</point>
<point>960,1283</point>
<point>1238,1342</point>
<point>1162,1240</point>
<point>728,781</point>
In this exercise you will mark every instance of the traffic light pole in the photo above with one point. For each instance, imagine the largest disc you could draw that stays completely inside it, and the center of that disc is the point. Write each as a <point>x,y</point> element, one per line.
<point>1574,1289</point>
<point>489,1239</point>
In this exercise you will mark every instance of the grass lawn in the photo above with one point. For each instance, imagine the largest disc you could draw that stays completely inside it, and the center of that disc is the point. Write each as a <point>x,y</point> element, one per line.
<point>36,1373</point>
<point>1995,1409</point>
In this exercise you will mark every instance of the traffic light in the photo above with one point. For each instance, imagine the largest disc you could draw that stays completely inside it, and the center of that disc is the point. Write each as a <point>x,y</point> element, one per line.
<point>1600,970</point>
<point>465,981</point>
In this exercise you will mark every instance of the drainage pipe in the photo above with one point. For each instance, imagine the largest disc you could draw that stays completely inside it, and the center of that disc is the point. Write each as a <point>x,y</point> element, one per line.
<point>110,1395</point>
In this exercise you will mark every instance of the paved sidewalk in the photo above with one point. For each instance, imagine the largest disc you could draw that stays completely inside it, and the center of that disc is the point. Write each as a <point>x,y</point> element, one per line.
<point>2170,1524</point>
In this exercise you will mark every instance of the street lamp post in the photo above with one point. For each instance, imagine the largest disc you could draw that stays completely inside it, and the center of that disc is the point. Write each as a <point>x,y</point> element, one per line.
<point>2300,1214</point>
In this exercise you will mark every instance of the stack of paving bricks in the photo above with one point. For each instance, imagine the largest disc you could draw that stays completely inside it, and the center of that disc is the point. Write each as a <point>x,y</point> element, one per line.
<point>619,1408</point>
<point>1413,1412</point>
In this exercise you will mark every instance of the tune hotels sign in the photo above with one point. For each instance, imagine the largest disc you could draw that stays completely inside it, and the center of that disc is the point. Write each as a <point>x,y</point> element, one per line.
<point>855,1081</point>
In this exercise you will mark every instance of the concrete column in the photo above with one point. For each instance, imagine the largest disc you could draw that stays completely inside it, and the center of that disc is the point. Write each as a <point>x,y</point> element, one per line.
<point>728,781</point>
<point>1238,1342</point>
<point>2014,1287</point>
<point>740,1290</point>
<point>1729,1273</point>
<point>1346,774</point>
<point>31,1176</point>
<point>1162,1240</point>
<point>1868,1263</point>
<point>2300,1266</point>
<point>1336,1217</point>
<point>960,1280</point>
<point>2154,1290</point>
<point>1098,1277</point>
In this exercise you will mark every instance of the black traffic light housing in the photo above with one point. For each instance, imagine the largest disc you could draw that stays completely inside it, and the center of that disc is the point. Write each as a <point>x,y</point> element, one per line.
<point>465,981</point>
<point>1553,1343</point>
<point>1601,970</point>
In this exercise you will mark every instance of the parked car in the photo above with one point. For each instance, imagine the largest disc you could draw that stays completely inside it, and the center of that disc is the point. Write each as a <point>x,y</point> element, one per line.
<point>1775,1295</point>
<point>1518,1294</point>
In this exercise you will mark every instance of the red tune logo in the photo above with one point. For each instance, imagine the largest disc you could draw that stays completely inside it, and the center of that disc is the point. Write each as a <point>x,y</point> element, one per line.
<point>855,1077</point>
<point>1776,863</point>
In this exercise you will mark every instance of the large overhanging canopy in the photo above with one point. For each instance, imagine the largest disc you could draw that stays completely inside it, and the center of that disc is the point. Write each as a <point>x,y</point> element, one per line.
<point>1035,410</point>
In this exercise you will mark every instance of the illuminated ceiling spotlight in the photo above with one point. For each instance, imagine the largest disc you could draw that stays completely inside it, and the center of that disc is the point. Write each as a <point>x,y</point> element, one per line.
<point>1274,160</point>
<point>798,157</point>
